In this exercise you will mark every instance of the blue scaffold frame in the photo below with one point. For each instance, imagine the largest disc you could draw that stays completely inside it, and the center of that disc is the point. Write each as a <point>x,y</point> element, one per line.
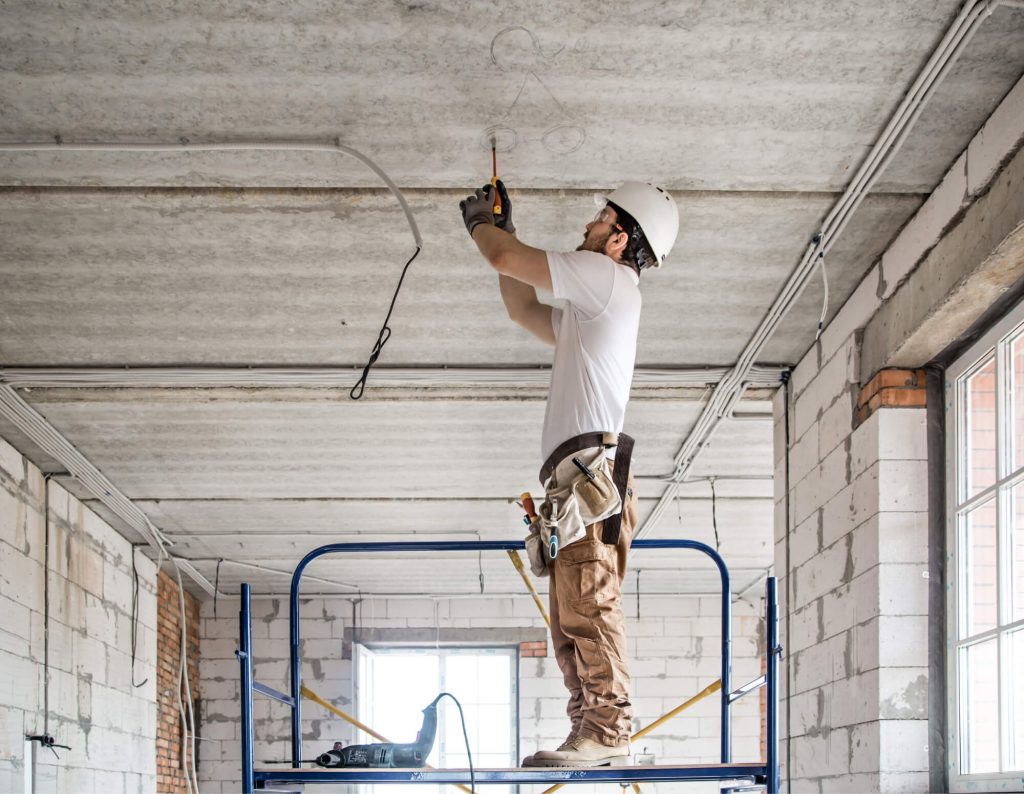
<point>758,774</point>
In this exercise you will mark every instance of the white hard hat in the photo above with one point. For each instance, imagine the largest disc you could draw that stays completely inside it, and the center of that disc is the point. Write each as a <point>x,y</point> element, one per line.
<point>653,209</point>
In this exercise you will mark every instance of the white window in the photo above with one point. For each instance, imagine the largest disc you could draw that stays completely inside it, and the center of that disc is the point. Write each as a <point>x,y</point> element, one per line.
<point>394,685</point>
<point>985,560</point>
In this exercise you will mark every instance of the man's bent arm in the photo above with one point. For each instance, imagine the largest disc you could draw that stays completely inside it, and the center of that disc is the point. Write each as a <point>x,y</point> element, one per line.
<point>521,269</point>
<point>512,258</point>
<point>524,308</point>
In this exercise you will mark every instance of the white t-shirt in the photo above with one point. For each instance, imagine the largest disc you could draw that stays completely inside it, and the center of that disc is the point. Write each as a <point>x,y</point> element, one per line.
<point>595,345</point>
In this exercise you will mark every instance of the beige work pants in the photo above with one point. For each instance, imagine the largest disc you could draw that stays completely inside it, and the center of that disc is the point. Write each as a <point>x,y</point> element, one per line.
<point>588,629</point>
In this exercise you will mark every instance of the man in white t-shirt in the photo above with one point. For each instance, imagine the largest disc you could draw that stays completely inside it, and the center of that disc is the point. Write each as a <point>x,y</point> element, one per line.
<point>594,334</point>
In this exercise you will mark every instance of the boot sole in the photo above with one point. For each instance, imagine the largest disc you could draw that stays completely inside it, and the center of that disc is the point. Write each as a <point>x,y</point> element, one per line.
<point>620,760</point>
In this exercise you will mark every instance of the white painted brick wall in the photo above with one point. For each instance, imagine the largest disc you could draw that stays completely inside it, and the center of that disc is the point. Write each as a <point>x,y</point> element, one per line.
<point>674,654</point>
<point>110,724</point>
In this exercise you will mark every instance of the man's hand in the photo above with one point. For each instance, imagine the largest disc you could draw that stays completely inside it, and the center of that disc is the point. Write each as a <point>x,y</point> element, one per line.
<point>504,220</point>
<point>477,209</point>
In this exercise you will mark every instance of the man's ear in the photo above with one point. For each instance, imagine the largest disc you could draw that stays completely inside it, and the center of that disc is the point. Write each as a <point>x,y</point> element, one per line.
<point>616,245</point>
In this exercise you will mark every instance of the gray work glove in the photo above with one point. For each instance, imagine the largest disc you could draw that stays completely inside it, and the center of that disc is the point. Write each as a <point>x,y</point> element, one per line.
<point>504,220</point>
<point>478,208</point>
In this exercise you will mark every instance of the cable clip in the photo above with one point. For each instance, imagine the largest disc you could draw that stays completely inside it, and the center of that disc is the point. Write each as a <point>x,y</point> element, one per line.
<point>45,740</point>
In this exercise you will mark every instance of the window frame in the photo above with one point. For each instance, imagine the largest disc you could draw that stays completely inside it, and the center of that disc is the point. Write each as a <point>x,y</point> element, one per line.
<point>996,342</point>
<point>443,650</point>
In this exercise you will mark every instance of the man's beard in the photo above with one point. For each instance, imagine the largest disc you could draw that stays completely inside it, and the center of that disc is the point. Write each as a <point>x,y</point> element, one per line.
<point>596,244</point>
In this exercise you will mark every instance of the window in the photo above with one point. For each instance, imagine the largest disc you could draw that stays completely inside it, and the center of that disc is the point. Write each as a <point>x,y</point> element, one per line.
<point>393,685</point>
<point>985,572</point>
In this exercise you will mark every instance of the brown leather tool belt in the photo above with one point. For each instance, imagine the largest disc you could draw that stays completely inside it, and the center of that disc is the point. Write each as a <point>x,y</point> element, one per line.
<point>620,472</point>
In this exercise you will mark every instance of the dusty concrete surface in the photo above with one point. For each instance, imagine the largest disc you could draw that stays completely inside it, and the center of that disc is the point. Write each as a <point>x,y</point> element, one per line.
<point>762,95</point>
<point>170,277</point>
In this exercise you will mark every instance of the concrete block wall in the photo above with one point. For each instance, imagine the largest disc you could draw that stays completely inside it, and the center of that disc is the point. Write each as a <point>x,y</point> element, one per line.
<point>853,575</point>
<point>94,707</point>
<point>852,500</point>
<point>673,648</point>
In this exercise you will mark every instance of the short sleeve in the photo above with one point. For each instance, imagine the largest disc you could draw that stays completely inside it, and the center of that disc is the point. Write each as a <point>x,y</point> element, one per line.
<point>584,279</point>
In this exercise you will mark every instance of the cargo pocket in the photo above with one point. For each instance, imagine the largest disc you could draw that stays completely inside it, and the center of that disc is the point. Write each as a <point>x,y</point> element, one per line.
<point>586,568</point>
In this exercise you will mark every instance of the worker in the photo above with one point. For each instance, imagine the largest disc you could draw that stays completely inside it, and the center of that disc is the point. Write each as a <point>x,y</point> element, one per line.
<point>594,335</point>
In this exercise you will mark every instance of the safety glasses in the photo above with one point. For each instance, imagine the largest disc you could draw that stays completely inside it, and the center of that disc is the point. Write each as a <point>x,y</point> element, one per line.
<point>605,216</point>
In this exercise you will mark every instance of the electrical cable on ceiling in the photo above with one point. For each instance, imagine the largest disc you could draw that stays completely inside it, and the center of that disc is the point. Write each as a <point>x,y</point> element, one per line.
<point>382,337</point>
<point>278,146</point>
<point>264,568</point>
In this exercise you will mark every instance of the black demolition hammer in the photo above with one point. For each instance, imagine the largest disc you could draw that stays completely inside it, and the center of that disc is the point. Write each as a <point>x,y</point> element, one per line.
<point>388,755</point>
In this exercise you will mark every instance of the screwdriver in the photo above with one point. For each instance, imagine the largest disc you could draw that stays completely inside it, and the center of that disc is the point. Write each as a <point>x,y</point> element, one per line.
<point>494,175</point>
<point>526,500</point>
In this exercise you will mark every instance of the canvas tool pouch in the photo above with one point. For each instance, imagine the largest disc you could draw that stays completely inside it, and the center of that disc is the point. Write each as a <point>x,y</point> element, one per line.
<point>573,500</point>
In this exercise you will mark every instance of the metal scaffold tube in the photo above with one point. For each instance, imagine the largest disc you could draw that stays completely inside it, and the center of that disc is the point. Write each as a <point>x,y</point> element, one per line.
<point>760,773</point>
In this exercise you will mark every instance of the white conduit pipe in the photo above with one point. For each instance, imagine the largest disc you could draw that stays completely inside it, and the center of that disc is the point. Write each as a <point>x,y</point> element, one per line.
<point>255,146</point>
<point>42,434</point>
<point>265,569</point>
<point>322,377</point>
<point>949,49</point>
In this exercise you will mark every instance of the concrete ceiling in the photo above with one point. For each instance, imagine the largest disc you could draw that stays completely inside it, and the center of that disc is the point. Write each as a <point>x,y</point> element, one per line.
<point>753,113</point>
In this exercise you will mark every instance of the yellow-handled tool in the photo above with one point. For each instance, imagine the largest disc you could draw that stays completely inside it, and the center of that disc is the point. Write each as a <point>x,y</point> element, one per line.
<point>531,515</point>
<point>494,176</point>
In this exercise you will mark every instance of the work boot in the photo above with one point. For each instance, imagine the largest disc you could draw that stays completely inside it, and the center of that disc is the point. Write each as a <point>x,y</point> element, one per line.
<point>567,744</point>
<point>583,751</point>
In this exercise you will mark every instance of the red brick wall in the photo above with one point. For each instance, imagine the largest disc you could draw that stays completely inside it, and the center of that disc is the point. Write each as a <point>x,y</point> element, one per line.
<point>533,649</point>
<point>893,388</point>
<point>169,750</point>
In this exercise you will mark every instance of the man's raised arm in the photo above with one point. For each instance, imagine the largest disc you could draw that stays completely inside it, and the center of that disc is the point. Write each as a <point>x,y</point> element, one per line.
<point>521,268</point>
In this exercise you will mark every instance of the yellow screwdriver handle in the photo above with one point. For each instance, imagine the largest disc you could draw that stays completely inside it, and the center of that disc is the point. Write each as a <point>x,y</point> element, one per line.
<point>497,201</point>
<point>528,506</point>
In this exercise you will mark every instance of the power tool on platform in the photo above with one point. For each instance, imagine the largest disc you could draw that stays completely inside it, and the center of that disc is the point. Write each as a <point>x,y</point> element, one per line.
<point>388,755</point>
